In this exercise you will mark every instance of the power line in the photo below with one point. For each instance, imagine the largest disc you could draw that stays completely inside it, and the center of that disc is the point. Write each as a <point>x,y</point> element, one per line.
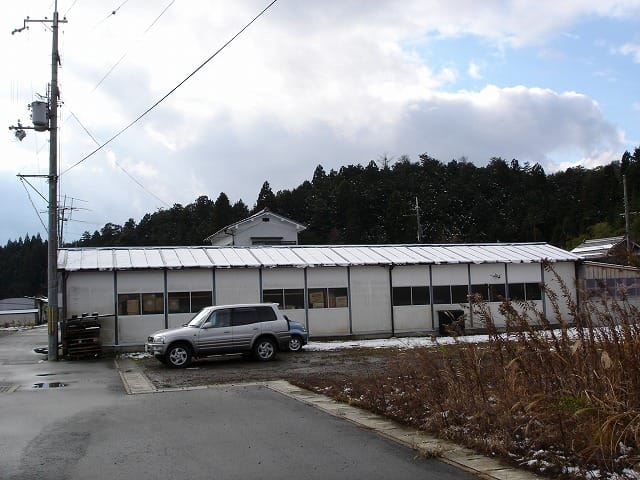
<point>33,204</point>
<point>127,52</point>
<point>116,162</point>
<point>172,90</point>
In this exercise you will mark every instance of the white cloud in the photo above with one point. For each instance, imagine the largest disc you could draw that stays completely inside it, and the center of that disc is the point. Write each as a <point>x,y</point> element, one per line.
<point>474,71</point>
<point>631,49</point>
<point>332,82</point>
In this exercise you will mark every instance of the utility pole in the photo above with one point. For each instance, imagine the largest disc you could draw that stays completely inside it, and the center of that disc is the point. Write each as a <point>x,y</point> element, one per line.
<point>52,117</point>
<point>419,227</point>
<point>627,224</point>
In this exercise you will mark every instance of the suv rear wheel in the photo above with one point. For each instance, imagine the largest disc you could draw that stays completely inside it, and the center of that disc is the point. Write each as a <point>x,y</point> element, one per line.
<point>264,349</point>
<point>295,344</point>
<point>179,355</point>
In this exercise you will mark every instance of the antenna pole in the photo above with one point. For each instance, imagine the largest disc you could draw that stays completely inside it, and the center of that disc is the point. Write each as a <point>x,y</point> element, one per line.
<point>419,227</point>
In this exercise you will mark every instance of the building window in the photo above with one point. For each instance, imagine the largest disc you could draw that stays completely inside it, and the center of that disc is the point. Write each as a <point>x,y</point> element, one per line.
<point>337,297</point>
<point>152,303</point>
<point>128,304</point>
<point>273,296</point>
<point>189,302</point>
<point>516,291</point>
<point>199,300</point>
<point>401,296</point>
<point>287,298</point>
<point>533,291</point>
<point>420,296</point>
<point>294,298</point>
<point>179,302</point>
<point>410,296</point>
<point>317,298</point>
<point>497,292</point>
<point>442,294</point>
<point>140,303</point>
<point>459,294</point>
<point>482,290</point>
<point>328,298</point>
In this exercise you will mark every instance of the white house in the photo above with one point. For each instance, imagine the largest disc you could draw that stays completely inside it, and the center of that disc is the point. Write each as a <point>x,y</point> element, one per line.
<point>262,228</point>
<point>336,291</point>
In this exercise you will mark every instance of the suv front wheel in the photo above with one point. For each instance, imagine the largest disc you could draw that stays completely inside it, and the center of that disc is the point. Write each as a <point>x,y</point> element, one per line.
<point>179,355</point>
<point>264,349</point>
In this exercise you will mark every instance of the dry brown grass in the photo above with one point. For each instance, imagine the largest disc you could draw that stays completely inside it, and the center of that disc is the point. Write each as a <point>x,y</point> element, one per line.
<point>561,401</point>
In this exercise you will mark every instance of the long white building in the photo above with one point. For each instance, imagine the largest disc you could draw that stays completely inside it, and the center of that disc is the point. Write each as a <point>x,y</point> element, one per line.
<point>336,291</point>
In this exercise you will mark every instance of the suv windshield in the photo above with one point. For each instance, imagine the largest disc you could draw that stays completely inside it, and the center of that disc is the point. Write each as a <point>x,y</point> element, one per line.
<point>200,317</point>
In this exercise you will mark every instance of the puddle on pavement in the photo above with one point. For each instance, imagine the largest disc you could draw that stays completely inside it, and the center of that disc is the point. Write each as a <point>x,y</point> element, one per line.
<point>49,385</point>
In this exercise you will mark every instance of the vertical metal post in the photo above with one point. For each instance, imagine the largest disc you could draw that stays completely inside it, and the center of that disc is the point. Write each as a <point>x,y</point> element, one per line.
<point>52,258</point>
<point>627,225</point>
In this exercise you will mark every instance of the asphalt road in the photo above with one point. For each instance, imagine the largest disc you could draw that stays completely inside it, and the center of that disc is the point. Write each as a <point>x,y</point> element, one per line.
<point>91,429</point>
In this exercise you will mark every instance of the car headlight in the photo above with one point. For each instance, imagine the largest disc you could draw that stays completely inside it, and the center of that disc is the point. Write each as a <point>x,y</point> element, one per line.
<point>158,339</point>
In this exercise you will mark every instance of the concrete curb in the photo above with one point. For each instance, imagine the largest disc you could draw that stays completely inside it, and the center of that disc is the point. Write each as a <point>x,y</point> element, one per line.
<point>136,382</point>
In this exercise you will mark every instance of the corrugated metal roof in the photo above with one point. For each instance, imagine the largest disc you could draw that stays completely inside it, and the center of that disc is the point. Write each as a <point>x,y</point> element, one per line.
<point>75,259</point>
<point>597,247</point>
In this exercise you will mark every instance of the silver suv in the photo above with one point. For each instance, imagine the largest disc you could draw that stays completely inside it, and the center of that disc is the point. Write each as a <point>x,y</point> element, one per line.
<point>257,328</point>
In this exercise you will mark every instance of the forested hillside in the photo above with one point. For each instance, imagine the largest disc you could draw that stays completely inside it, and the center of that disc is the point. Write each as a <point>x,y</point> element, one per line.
<point>381,203</point>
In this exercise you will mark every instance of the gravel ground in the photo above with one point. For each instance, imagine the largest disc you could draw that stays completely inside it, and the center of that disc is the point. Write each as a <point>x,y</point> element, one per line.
<point>287,366</point>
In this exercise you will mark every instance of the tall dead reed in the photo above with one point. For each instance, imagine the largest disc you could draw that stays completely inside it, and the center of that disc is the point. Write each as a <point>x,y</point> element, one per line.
<point>559,394</point>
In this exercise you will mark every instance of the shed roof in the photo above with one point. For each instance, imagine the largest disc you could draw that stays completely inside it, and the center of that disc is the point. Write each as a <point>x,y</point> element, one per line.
<point>132,258</point>
<point>597,247</point>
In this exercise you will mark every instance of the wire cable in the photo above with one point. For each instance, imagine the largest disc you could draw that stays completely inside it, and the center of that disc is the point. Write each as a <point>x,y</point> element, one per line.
<point>127,52</point>
<point>116,162</point>
<point>33,204</point>
<point>172,90</point>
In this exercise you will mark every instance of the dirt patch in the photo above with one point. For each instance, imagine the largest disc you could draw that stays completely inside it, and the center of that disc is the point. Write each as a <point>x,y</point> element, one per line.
<point>288,366</point>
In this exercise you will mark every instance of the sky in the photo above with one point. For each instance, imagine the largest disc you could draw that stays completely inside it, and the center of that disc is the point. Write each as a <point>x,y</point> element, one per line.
<point>331,83</point>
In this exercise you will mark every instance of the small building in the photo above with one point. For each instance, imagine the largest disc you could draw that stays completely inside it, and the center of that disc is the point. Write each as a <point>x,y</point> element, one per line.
<point>262,228</point>
<point>22,311</point>
<point>363,291</point>
<point>606,250</point>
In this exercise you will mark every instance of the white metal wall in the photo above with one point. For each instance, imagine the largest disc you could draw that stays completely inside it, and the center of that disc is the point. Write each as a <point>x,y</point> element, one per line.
<point>368,312</point>
<point>191,280</point>
<point>134,329</point>
<point>371,300</point>
<point>328,321</point>
<point>237,285</point>
<point>411,318</point>
<point>88,292</point>
<point>285,278</point>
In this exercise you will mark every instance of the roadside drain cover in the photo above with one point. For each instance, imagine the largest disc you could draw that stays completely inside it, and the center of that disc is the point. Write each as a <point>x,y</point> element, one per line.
<point>49,385</point>
<point>44,374</point>
<point>4,388</point>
